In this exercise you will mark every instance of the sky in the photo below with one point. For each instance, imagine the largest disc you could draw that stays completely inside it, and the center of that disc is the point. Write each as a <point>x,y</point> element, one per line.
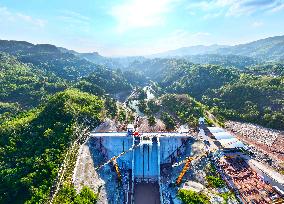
<point>139,27</point>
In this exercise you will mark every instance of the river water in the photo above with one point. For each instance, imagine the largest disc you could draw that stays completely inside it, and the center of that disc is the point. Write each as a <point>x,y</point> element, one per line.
<point>134,103</point>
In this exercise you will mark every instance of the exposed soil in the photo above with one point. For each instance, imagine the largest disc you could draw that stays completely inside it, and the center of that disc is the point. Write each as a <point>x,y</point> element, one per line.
<point>102,181</point>
<point>143,126</point>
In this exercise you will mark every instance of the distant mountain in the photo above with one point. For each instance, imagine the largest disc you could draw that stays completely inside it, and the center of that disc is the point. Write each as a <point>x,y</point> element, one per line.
<point>271,49</point>
<point>70,64</point>
<point>192,50</point>
<point>89,72</point>
<point>109,62</point>
<point>49,58</point>
<point>44,62</point>
<point>237,61</point>
<point>64,50</point>
<point>21,47</point>
<point>92,56</point>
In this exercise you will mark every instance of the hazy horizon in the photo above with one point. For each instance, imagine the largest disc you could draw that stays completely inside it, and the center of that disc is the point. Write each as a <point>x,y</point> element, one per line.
<point>139,28</point>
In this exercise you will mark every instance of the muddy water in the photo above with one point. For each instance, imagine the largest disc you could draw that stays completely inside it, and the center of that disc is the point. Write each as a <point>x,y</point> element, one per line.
<point>146,193</point>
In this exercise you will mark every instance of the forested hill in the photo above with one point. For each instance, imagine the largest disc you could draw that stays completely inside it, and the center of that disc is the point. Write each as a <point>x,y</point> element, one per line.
<point>30,73</point>
<point>187,51</point>
<point>47,93</point>
<point>271,49</point>
<point>33,145</point>
<point>46,101</point>
<point>26,85</point>
<point>169,70</point>
<point>228,60</point>
<point>252,95</point>
<point>23,86</point>
<point>49,58</point>
<point>110,62</point>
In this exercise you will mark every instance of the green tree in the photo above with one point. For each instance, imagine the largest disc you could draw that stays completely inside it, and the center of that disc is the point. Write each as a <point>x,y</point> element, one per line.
<point>151,120</point>
<point>121,115</point>
<point>192,197</point>
<point>86,196</point>
<point>215,181</point>
<point>169,121</point>
<point>37,140</point>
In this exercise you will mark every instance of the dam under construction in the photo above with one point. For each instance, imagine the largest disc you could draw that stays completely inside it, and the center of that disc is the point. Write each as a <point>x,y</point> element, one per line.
<point>137,159</point>
<point>134,167</point>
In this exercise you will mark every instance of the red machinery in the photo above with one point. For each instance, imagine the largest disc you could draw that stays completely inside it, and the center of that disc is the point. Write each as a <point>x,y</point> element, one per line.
<point>136,134</point>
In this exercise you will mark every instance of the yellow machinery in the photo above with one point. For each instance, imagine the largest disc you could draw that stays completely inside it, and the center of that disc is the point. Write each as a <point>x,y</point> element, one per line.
<point>184,170</point>
<point>188,161</point>
<point>117,170</point>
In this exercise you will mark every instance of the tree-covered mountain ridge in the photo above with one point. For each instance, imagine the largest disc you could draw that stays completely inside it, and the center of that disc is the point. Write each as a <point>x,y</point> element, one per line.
<point>271,48</point>
<point>256,52</point>
<point>32,72</point>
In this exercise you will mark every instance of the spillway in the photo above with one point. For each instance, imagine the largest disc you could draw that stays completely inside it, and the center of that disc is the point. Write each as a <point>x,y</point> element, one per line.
<point>146,166</point>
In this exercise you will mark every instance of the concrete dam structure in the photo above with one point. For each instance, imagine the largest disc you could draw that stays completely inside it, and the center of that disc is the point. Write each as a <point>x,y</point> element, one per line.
<point>141,156</point>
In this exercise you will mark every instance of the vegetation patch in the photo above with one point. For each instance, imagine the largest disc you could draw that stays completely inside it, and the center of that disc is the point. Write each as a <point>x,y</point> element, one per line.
<point>215,181</point>
<point>33,145</point>
<point>192,197</point>
<point>213,177</point>
<point>227,196</point>
<point>68,195</point>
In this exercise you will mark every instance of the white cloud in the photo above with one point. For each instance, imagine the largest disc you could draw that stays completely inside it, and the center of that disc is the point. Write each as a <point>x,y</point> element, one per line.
<point>215,8</point>
<point>74,22</point>
<point>73,17</point>
<point>257,24</point>
<point>247,7</point>
<point>212,15</point>
<point>7,16</point>
<point>278,8</point>
<point>140,13</point>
